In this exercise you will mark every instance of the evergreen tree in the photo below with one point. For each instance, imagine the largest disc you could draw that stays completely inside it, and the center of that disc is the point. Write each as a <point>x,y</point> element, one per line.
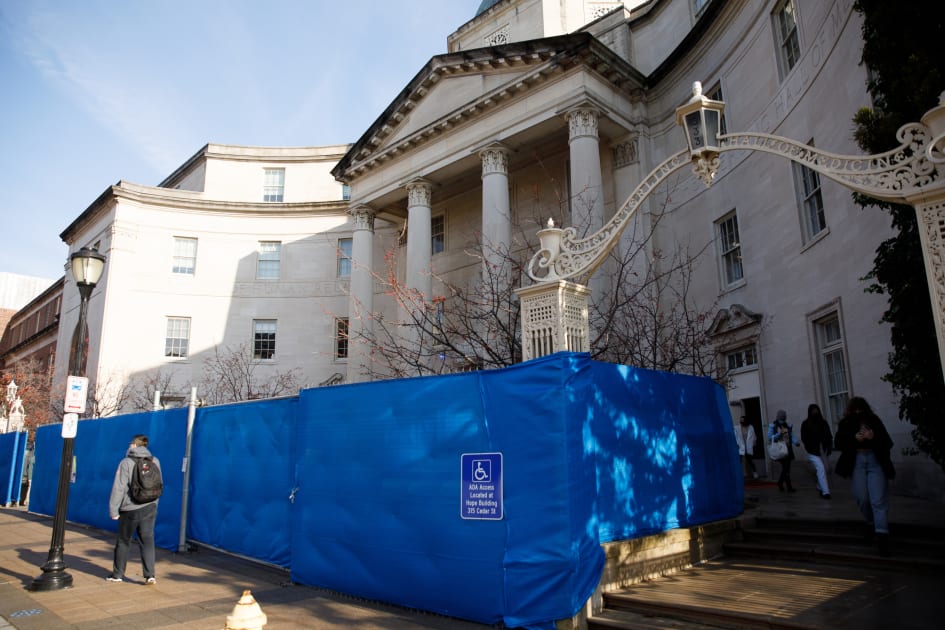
<point>904,50</point>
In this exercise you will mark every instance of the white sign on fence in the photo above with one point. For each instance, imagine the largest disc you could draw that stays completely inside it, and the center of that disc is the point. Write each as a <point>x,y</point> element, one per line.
<point>70,425</point>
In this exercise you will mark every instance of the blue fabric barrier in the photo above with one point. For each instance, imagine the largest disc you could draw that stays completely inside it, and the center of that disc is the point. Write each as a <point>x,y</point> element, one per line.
<point>365,488</point>
<point>12,451</point>
<point>241,478</point>
<point>99,447</point>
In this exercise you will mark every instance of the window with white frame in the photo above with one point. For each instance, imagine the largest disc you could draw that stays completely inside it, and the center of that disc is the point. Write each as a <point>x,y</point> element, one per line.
<point>177,338</point>
<point>730,250</point>
<point>264,338</point>
<point>274,184</point>
<point>345,192</point>
<point>268,260</point>
<point>810,199</point>
<point>185,256</point>
<point>741,358</point>
<point>715,94</point>
<point>786,38</point>
<point>831,360</point>
<point>437,234</point>
<point>344,257</point>
<point>341,338</point>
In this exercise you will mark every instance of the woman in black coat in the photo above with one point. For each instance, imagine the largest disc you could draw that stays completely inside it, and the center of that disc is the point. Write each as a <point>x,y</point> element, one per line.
<point>865,446</point>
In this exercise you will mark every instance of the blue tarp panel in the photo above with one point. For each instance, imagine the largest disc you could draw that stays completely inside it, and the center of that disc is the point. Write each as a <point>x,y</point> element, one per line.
<point>12,451</point>
<point>242,476</point>
<point>663,450</point>
<point>99,446</point>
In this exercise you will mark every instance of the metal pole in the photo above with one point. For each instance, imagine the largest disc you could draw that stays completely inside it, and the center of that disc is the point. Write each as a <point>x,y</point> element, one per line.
<point>185,494</point>
<point>54,576</point>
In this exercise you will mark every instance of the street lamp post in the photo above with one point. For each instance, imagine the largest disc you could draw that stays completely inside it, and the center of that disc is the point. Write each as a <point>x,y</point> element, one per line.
<point>87,266</point>
<point>11,398</point>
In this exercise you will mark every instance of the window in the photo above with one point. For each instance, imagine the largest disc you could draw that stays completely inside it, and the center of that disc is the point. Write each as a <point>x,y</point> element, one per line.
<point>741,358</point>
<point>344,257</point>
<point>177,339</point>
<point>274,184</point>
<point>341,338</point>
<point>437,234</point>
<point>185,256</point>
<point>264,338</point>
<point>785,29</point>
<point>730,250</point>
<point>813,220</point>
<point>828,335</point>
<point>345,192</point>
<point>267,260</point>
<point>715,94</point>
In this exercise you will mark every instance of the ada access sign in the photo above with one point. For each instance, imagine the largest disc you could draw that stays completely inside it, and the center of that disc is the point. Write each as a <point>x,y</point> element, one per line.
<point>76,394</point>
<point>481,487</point>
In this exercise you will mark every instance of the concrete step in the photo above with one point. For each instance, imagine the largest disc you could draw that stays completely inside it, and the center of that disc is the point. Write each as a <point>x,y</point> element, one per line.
<point>747,593</point>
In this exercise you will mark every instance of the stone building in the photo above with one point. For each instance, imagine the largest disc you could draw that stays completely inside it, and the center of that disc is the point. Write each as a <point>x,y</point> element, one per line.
<point>539,109</point>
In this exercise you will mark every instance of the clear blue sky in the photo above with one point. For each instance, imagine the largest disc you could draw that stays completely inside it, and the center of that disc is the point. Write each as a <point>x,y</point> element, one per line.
<point>97,91</point>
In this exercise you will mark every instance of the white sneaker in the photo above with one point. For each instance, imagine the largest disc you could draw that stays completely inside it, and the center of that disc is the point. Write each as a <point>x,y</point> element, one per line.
<point>113,579</point>
<point>150,581</point>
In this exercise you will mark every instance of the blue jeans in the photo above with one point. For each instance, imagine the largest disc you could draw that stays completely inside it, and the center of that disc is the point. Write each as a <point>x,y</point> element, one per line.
<point>131,522</point>
<point>870,489</point>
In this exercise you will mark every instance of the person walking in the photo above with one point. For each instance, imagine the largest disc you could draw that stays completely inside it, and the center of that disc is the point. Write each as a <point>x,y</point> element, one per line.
<point>865,446</point>
<point>133,518</point>
<point>745,438</point>
<point>782,431</point>
<point>818,442</point>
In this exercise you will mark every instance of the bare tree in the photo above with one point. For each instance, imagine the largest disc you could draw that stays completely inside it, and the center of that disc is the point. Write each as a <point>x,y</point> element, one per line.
<point>145,387</point>
<point>230,376</point>
<point>648,319</point>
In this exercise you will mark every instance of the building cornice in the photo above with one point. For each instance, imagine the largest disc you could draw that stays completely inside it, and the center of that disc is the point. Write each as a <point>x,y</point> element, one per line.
<point>195,202</point>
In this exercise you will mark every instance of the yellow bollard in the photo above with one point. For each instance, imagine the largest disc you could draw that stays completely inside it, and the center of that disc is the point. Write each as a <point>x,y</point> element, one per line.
<point>247,615</point>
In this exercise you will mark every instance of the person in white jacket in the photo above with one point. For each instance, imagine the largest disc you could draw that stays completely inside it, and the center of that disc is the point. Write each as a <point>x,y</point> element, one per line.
<point>745,437</point>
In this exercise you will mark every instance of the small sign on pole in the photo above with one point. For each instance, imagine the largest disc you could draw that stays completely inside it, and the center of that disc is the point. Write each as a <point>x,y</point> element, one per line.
<point>76,394</point>
<point>70,425</point>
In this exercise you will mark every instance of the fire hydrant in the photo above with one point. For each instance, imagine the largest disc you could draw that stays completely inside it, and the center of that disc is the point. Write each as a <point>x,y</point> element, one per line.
<point>247,615</point>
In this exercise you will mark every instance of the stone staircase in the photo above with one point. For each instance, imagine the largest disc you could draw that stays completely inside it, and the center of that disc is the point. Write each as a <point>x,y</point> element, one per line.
<point>795,574</point>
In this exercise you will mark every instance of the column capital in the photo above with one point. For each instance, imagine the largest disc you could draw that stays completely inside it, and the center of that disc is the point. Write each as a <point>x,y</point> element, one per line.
<point>419,192</point>
<point>495,160</point>
<point>582,121</point>
<point>363,216</point>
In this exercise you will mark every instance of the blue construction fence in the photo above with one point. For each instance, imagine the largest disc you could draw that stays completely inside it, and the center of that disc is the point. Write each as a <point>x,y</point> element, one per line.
<point>12,457</point>
<point>483,496</point>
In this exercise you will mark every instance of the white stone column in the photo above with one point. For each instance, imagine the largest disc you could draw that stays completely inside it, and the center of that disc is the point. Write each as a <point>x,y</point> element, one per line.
<point>361,294</point>
<point>496,212</point>
<point>419,247</point>
<point>587,193</point>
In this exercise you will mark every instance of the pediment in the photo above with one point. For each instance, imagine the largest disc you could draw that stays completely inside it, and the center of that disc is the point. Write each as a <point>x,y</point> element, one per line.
<point>732,319</point>
<point>454,88</point>
<point>448,96</point>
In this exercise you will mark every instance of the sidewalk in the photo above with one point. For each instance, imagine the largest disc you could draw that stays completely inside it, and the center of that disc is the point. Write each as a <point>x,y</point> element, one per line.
<point>194,590</point>
<point>198,590</point>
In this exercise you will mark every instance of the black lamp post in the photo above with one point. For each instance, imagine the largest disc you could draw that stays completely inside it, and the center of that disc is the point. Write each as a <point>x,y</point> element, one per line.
<point>87,266</point>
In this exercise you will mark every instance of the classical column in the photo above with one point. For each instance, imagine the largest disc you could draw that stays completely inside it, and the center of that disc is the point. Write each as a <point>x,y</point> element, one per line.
<point>361,293</point>
<point>419,248</point>
<point>496,213</point>
<point>587,194</point>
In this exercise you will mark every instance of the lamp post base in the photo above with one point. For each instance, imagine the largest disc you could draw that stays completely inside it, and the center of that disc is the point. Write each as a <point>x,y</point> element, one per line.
<point>54,576</point>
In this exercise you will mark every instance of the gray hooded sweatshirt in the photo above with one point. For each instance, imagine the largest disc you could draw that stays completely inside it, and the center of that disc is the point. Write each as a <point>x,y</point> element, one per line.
<point>120,500</point>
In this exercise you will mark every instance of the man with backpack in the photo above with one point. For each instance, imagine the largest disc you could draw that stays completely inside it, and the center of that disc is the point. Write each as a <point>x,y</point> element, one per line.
<point>133,503</point>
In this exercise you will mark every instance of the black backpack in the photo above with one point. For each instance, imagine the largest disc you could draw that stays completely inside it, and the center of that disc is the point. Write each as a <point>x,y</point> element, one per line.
<point>146,482</point>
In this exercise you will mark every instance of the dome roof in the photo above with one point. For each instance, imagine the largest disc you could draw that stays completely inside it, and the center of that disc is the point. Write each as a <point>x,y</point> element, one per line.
<point>484,5</point>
